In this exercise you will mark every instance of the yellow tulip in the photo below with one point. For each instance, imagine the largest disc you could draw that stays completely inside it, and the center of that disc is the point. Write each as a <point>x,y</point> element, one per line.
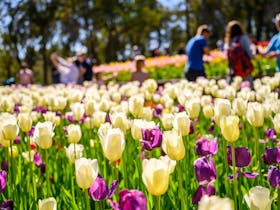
<point>255,115</point>
<point>48,204</point>
<point>25,122</point>
<point>86,171</point>
<point>43,134</point>
<point>74,133</point>
<point>173,146</point>
<point>230,127</point>
<point>181,123</point>
<point>10,129</point>
<point>258,198</point>
<point>276,122</point>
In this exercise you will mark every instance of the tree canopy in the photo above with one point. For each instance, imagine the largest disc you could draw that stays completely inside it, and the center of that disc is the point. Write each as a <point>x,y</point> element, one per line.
<point>32,29</point>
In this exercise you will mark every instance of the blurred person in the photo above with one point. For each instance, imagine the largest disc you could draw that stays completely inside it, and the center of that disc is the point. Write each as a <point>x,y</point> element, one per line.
<point>140,74</point>
<point>239,53</point>
<point>195,48</point>
<point>181,49</point>
<point>273,49</point>
<point>99,79</point>
<point>85,66</point>
<point>68,71</point>
<point>25,75</point>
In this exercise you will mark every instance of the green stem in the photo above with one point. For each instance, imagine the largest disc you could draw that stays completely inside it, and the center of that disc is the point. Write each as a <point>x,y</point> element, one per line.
<point>47,173</point>
<point>11,170</point>
<point>181,190</point>
<point>278,199</point>
<point>87,199</point>
<point>234,176</point>
<point>125,171</point>
<point>158,202</point>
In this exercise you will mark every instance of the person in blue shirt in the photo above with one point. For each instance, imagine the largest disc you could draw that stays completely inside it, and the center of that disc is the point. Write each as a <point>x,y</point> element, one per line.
<point>273,49</point>
<point>195,48</point>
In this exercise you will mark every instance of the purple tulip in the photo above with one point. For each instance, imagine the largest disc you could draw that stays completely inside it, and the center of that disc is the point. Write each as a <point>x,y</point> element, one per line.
<point>7,205</point>
<point>3,180</point>
<point>17,140</point>
<point>206,147</point>
<point>16,108</point>
<point>157,110</point>
<point>70,118</point>
<point>181,108</point>
<point>270,133</point>
<point>58,113</point>
<point>191,128</point>
<point>31,132</point>
<point>242,156</point>
<point>274,176</point>
<point>205,170</point>
<point>82,120</point>
<point>99,190</point>
<point>107,118</point>
<point>151,138</point>
<point>37,159</point>
<point>271,155</point>
<point>130,200</point>
<point>201,191</point>
<point>211,128</point>
<point>4,165</point>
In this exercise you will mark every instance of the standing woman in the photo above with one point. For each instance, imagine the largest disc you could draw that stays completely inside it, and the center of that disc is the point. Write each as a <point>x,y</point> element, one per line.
<point>239,54</point>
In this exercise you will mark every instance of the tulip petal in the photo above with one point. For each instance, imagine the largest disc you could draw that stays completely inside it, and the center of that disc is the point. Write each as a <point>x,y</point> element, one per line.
<point>113,188</point>
<point>250,175</point>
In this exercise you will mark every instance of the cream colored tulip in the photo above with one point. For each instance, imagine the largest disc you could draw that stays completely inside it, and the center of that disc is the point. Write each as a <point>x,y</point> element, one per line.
<point>89,107</point>
<point>24,122</point>
<point>78,110</point>
<point>98,118</point>
<point>276,123</point>
<point>155,175</point>
<point>86,171</point>
<point>181,123</point>
<point>89,123</point>
<point>208,111</point>
<point>172,145</point>
<point>135,106</point>
<point>29,157</point>
<point>258,198</point>
<point>167,120</point>
<point>214,203</point>
<point>113,144</point>
<point>119,120</point>
<point>48,204</point>
<point>116,97</point>
<point>10,128</point>
<point>74,152</point>
<point>222,107</point>
<point>255,115</point>
<point>193,107</point>
<point>104,105</point>
<point>103,130</point>
<point>74,133</point>
<point>147,114</point>
<point>230,127</point>
<point>239,107</point>
<point>43,134</point>
<point>51,116</point>
<point>150,85</point>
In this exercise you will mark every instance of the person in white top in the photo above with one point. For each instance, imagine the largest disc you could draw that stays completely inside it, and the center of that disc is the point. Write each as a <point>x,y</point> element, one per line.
<point>69,72</point>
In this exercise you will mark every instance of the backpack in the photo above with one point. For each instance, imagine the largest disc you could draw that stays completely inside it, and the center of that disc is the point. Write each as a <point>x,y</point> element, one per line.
<point>239,61</point>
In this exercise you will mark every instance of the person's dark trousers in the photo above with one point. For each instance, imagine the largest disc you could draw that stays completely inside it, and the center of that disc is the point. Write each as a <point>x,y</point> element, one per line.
<point>193,74</point>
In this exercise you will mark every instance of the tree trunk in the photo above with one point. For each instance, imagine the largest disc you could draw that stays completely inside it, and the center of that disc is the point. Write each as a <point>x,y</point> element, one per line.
<point>45,64</point>
<point>187,19</point>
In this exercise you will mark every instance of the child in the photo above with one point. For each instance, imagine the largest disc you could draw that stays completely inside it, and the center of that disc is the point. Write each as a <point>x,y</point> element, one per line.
<point>140,74</point>
<point>25,75</point>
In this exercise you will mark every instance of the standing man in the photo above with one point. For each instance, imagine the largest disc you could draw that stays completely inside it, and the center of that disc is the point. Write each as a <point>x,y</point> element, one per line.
<point>273,49</point>
<point>85,66</point>
<point>196,47</point>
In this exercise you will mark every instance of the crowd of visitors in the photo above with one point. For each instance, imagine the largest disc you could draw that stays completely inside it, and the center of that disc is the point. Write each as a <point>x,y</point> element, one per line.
<point>240,50</point>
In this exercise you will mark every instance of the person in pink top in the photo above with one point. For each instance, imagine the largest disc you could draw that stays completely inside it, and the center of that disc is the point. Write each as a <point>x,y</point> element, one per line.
<point>25,75</point>
<point>140,74</point>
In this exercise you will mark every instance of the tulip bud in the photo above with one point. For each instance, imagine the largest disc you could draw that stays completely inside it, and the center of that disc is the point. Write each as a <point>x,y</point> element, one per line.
<point>258,198</point>
<point>230,127</point>
<point>9,129</point>
<point>25,122</point>
<point>276,123</point>
<point>166,120</point>
<point>208,111</point>
<point>113,144</point>
<point>86,171</point>
<point>214,203</point>
<point>222,107</point>
<point>78,110</point>
<point>147,114</point>
<point>89,107</point>
<point>119,120</point>
<point>29,157</point>
<point>193,108</point>
<point>155,175</point>
<point>14,152</point>
<point>173,146</point>
<point>74,133</point>
<point>182,123</point>
<point>150,85</point>
<point>74,152</point>
<point>255,115</point>
<point>98,118</point>
<point>239,107</point>
<point>47,204</point>
<point>43,134</point>
<point>135,106</point>
<point>89,122</point>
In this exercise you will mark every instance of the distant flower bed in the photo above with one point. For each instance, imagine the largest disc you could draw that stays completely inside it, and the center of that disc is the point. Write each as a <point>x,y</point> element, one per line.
<point>172,67</point>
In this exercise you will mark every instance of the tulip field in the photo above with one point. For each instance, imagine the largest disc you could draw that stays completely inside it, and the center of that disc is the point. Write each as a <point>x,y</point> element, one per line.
<point>205,145</point>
